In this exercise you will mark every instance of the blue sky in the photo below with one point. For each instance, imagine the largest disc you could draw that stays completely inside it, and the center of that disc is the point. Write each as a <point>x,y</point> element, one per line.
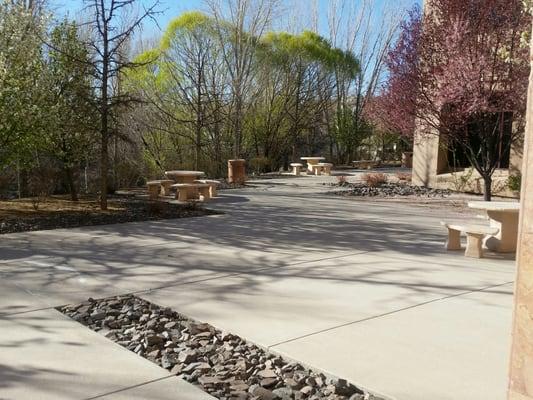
<point>172,8</point>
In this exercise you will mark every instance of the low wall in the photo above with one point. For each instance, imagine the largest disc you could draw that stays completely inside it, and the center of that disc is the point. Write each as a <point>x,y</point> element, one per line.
<point>469,181</point>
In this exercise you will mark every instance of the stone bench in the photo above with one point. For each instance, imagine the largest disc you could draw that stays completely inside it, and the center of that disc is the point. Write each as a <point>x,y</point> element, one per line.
<point>205,190</point>
<point>185,191</point>
<point>317,169</point>
<point>326,167</point>
<point>212,186</point>
<point>159,187</point>
<point>296,168</point>
<point>192,191</point>
<point>474,237</point>
<point>365,164</point>
<point>165,186</point>
<point>154,188</point>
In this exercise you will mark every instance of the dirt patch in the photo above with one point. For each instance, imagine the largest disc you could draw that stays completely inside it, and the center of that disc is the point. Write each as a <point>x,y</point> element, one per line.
<point>58,212</point>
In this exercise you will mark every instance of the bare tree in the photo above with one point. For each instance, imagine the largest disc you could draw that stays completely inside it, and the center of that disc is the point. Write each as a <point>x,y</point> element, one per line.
<point>239,24</point>
<point>352,26</point>
<point>112,26</point>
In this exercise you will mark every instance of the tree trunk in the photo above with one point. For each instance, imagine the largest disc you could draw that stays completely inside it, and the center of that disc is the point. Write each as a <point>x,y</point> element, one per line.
<point>103,170</point>
<point>115,162</point>
<point>197,146</point>
<point>69,175</point>
<point>238,126</point>
<point>487,193</point>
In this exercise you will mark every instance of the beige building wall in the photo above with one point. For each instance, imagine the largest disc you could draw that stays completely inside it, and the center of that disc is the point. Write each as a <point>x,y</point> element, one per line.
<point>429,159</point>
<point>430,168</point>
<point>521,366</point>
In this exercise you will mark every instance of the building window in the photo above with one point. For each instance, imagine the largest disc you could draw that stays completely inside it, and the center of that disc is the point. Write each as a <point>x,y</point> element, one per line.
<point>502,123</point>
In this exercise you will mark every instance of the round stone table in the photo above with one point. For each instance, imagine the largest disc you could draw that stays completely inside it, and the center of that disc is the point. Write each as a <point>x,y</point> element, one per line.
<point>184,176</point>
<point>504,216</point>
<point>312,161</point>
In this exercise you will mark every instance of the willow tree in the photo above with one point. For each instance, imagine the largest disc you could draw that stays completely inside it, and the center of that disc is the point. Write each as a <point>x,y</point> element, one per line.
<point>190,60</point>
<point>184,89</point>
<point>239,24</point>
<point>351,26</point>
<point>308,63</point>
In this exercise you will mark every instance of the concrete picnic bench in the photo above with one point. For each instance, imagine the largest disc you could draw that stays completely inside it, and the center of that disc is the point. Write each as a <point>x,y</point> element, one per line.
<point>185,177</point>
<point>365,164</point>
<point>192,191</point>
<point>503,215</point>
<point>296,168</point>
<point>212,186</point>
<point>474,237</point>
<point>159,187</point>
<point>322,167</point>
<point>312,161</point>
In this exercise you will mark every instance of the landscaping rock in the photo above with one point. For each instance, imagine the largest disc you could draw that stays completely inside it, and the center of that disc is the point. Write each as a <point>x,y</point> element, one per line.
<point>222,364</point>
<point>388,190</point>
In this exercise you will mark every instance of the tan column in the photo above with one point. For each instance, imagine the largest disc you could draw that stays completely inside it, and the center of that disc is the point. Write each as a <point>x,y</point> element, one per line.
<point>521,367</point>
<point>236,171</point>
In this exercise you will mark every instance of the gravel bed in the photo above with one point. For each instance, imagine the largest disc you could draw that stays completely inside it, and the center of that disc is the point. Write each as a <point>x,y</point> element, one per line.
<point>224,365</point>
<point>388,190</point>
<point>134,210</point>
<point>225,185</point>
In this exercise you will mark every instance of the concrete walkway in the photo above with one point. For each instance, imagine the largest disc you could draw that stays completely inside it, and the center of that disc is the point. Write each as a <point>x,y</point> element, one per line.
<point>358,288</point>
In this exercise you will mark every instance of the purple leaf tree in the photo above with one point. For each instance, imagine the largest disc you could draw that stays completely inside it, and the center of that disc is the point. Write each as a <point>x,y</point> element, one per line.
<point>460,70</point>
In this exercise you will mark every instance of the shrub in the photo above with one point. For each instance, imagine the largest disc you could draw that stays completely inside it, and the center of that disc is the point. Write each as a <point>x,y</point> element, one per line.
<point>375,179</point>
<point>514,182</point>
<point>403,176</point>
<point>260,165</point>
<point>41,182</point>
<point>341,180</point>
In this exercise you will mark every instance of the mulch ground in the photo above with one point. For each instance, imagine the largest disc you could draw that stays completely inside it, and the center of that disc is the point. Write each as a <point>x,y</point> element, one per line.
<point>55,212</point>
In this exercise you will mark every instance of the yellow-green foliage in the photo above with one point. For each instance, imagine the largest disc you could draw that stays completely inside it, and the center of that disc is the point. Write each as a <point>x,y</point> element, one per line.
<point>186,22</point>
<point>156,67</point>
<point>281,47</point>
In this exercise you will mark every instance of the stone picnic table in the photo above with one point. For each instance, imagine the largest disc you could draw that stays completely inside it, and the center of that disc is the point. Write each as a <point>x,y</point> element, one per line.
<point>504,216</point>
<point>185,177</point>
<point>312,161</point>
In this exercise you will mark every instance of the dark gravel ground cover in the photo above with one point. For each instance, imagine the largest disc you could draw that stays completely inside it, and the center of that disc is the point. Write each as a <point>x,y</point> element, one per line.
<point>387,190</point>
<point>224,365</point>
<point>124,210</point>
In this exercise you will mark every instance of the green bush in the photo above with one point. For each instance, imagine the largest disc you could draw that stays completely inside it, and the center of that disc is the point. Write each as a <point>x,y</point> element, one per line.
<point>260,165</point>
<point>514,182</point>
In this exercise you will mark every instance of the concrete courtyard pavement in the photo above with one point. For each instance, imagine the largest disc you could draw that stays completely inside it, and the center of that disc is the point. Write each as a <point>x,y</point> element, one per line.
<point>45,355</point>
<point>359,288</point>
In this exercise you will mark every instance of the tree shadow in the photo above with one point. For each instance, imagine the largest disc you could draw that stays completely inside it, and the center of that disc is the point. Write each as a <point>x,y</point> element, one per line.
<point>271,234</point>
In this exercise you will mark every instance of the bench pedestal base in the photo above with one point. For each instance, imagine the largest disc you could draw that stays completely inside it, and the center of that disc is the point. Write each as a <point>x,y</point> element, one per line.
<point>474,245</point>
<point>454,240</point>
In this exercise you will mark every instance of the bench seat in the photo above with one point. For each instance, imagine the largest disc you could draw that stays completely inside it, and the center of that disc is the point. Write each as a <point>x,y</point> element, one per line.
<point>157,187</point>
<point>212,186</point>
<point>326,167</point>
<point>365,164</point>
<point>474,236</point>
<point>296,168</point>
<point>205,190</point>
<point>185,191</point>
<point>154,188</point>
<point>317,169</point>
